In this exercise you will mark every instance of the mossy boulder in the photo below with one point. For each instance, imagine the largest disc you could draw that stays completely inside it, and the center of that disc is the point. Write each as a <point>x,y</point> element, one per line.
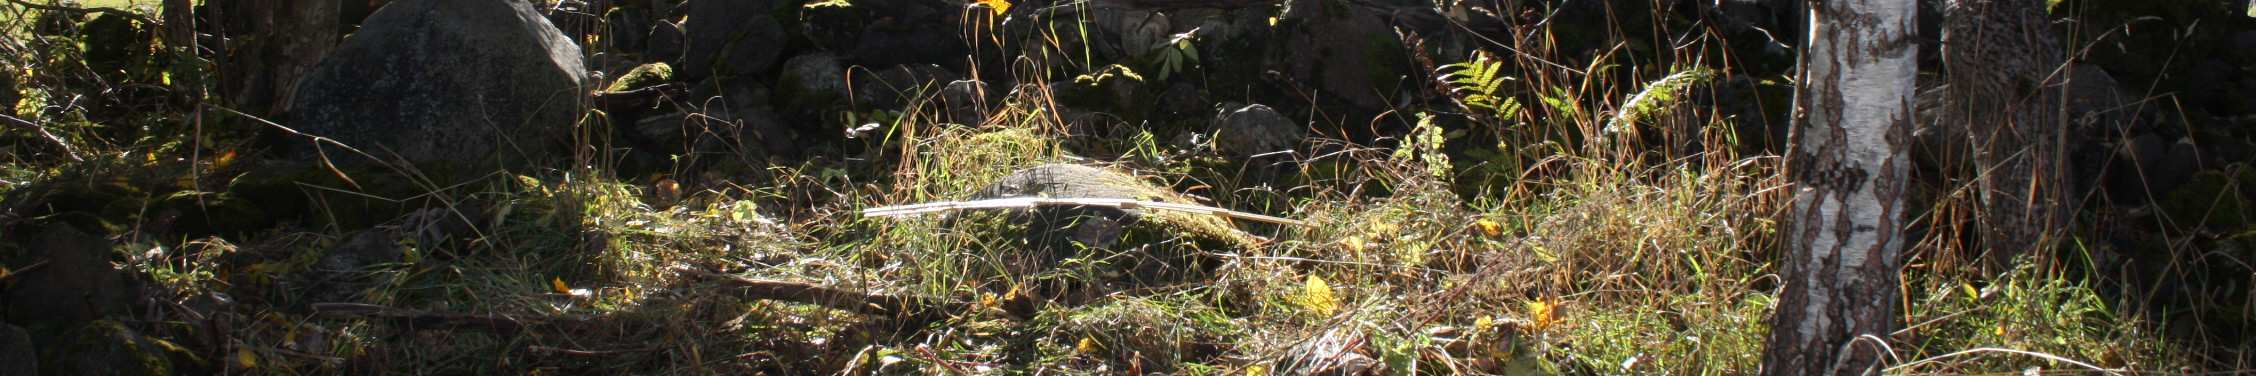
<point>642,76</point>
<point>110,348</point>
<point>2213,200</point>
<point>62,277</point>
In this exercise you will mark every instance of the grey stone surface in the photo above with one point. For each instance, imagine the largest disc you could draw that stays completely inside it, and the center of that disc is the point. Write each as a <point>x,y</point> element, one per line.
<point>18,356</point>
<point>814,79</point>
<point>1255,130</point>
<point>446,80</point>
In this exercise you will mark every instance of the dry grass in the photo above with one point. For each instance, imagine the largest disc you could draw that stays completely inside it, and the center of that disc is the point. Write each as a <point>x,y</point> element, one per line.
<point>1567,239</point>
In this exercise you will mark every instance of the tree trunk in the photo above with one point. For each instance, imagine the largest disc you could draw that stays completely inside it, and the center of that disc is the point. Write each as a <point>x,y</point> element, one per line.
<point>1852,124</point>
<point>270,43</point>
<point>1998,55</point>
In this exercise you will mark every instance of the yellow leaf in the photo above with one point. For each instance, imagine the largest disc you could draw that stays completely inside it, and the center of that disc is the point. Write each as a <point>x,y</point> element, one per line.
<point>4,272</point>
<point>245,359</point>
<point>1385,230</point>
<point>1256,370</point>
<point>1542,313</point>
<point>1353,243</point>
<point>1317,297</point>
<point>223,160</point>
<point>1489,227</point>
<point>1000,6</point>
<point>558,283</point>
<point>1087,346</point>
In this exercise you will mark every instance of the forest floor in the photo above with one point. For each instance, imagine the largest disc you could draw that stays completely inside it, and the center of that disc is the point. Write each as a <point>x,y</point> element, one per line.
<point>1414,256</point>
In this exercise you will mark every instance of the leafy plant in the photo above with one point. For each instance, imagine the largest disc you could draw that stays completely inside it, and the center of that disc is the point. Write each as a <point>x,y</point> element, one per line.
<point>1477,85</point>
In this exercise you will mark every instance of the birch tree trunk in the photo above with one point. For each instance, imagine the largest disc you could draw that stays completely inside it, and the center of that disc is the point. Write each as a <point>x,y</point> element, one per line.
<point>1998,56</point>
<point>1852,126</point>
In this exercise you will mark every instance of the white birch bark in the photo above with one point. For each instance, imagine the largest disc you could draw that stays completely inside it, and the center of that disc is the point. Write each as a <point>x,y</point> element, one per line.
<point>1852,121</point>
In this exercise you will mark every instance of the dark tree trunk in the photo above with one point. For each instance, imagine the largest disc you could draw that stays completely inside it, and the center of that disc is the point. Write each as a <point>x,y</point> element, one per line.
<point>1852,124</point>
<point>1999,56</point>
<point>270,43</point>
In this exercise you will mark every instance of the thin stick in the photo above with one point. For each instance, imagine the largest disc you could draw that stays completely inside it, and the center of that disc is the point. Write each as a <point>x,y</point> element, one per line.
<point>103,10</point>
<point>828,297</point>
<point>419,318</point>
<point>68,151</point>
<point>1029,202</point>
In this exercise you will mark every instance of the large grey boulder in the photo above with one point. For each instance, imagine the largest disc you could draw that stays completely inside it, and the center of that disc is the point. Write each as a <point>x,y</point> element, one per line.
<point>445,80</point>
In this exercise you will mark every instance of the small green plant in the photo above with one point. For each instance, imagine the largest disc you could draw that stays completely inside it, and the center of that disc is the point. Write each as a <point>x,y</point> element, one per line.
<point>1477,85</point>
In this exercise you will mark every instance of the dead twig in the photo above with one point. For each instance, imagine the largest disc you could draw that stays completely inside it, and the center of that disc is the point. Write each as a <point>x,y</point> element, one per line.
<point>586,353</point>
<point>828,297</point>
<point>414,318</point>
<point>102,10</point>
<point>68,151</point>
<point>1029,202</point>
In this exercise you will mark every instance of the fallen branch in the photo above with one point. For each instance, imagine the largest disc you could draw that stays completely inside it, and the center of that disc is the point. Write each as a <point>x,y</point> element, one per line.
<point>1029,202</point>
<point>103,10</point>
<point>828,297</point>
<point>68,151</point>
<point>586,353</point>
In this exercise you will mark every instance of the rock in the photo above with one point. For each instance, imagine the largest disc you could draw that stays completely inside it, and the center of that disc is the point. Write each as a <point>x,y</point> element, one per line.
<point>574,17</point>
<point>446,80</point>
<point>2212,200</point>
<point>1183,99</point>
<point>74,282</point>
<point>18,356</point>
<point>813,80</point>
<point>731,38</point>
<point>2097,104</point>
<point>1350,56</point>
<point>965,101</point>
<point>359,252</point>
<point>629,28</point>
<point>665,43</point>
<point>892,88</point>
<point>1255,130</point>
<point>109,348</point>
<point>908,32</point>
<point>736,111</point>
<point>2125,176</point>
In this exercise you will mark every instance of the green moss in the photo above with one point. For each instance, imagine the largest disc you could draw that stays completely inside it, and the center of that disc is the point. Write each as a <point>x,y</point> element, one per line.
<point>643,76</point>
<point>110,348</point>
<point>2212,199</point>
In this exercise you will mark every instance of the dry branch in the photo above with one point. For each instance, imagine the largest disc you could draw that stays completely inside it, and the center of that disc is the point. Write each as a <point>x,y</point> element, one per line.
<point>834,298</point>
<point>1029,202</point>
<point>68,151</point>
<point>414,318</point>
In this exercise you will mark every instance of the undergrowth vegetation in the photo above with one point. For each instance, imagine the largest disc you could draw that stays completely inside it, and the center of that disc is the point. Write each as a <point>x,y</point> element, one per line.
<point>1584,219</point>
